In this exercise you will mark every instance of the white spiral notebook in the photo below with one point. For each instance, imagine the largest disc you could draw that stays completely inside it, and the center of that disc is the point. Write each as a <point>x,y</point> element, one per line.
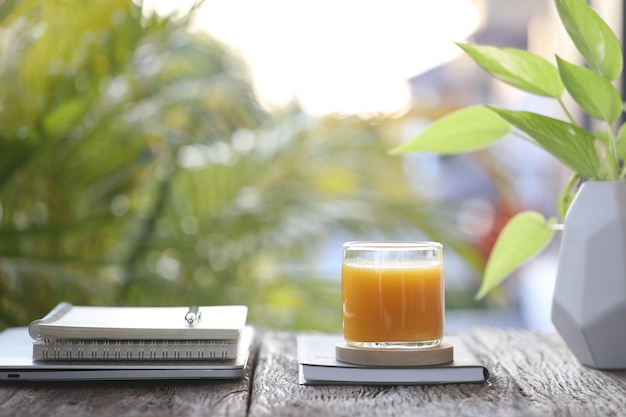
<point>116,349</point>
<point>67,321</point>
<point>76,333</point>
<point>17,364</point>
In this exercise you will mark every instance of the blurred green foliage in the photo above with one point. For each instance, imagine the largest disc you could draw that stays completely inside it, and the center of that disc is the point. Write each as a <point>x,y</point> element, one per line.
<point>136,168</point>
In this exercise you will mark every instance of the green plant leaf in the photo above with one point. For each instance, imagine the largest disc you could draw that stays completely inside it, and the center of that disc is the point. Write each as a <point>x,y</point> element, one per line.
<point>567,197</point>
<point>519,68</point>
<point>621,142</point>
<point>461,131</point>
<point>593,38</point>
<point>569,143</point>
<point>594,93</point>
<point>603,137</point>
<point>603,147</point>
<point>525,235</point>
<point>621,146</point>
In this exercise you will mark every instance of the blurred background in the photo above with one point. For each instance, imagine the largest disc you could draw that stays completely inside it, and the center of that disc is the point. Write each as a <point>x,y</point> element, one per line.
<point>220,152</point>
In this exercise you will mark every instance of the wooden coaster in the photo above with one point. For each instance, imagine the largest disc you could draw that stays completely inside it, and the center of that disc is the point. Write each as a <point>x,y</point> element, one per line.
<point>442,353</point>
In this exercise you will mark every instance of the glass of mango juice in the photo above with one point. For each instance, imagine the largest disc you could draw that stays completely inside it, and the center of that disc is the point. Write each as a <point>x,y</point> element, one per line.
<point>392,294</point>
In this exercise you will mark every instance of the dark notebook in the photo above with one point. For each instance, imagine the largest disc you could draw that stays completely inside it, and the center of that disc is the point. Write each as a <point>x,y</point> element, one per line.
<point>318,366</point>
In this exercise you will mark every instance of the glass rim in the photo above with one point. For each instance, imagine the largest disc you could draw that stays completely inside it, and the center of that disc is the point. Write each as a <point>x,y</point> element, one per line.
<point>391,245</point>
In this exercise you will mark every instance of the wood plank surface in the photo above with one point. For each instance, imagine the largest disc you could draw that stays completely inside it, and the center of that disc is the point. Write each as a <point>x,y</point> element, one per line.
<point>532,374</point>
<point>194,398</point>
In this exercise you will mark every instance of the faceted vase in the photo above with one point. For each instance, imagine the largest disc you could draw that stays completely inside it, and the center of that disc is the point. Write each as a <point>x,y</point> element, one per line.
<point>589,304</point>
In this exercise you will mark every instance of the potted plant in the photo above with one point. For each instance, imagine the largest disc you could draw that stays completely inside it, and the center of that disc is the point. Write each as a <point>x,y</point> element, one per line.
<point>589,305</point>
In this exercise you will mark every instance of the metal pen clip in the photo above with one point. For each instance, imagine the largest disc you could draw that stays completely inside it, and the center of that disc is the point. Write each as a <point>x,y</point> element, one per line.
<point>193,316</point>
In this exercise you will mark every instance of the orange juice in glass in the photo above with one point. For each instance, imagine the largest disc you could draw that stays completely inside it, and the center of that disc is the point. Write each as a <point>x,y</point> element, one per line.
<point>392,294</point>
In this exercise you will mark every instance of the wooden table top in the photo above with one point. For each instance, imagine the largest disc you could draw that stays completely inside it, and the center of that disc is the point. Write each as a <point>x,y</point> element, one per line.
<point>531,374</point>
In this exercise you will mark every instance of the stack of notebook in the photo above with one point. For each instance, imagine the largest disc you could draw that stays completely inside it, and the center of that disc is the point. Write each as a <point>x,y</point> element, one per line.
<point>77,333</point>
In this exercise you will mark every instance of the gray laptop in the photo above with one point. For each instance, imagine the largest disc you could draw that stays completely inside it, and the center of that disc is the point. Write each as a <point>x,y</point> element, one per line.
<point>16,363</point>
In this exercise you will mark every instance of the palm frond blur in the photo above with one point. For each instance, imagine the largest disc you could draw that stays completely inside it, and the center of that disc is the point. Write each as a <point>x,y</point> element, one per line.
<point>137,168</point>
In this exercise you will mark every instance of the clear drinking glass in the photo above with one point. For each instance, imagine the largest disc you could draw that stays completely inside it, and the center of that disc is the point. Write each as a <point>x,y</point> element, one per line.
<point>392,294</point>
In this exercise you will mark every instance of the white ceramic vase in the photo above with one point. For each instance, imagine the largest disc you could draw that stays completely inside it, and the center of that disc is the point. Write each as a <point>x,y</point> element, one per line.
<point>589,304</point>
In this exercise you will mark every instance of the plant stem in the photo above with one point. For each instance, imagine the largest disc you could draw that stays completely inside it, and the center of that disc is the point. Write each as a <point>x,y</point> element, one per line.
<point>567,113</point>
<point>568,196</point>
<point>556,226</point>
<point>613,153</point>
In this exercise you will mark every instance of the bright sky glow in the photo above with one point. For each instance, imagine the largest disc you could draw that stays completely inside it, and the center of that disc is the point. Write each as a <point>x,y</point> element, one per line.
<point>338,56</point>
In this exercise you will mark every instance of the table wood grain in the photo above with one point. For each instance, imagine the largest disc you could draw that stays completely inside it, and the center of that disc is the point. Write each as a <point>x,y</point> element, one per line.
<point>532,374</point>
